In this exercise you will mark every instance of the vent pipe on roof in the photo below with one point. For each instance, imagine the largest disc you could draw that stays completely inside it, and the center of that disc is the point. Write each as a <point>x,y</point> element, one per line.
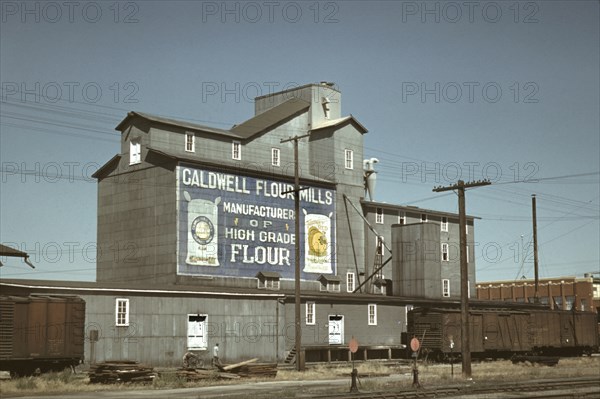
<point>370,177</point>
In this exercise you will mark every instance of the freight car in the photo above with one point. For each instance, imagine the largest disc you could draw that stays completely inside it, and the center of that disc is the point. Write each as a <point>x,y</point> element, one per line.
<point>504,332</point>
<point>41,332</point>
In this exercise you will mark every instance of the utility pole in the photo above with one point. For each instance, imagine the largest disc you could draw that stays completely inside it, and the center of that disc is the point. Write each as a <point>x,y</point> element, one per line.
<point>298,326</point>
<point>464,271</point>
<point>536,296</point>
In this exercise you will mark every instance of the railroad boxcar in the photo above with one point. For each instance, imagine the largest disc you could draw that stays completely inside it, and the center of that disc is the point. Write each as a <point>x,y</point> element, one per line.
<point>504,332</point>
<point>41,332</point>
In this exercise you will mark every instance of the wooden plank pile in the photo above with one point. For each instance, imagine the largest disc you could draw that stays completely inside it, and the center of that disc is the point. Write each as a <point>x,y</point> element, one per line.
<point>258,370</point>
<point>201,374</point>
<point>119,371</point>
<point>250,368</point>
<point>245,369</point>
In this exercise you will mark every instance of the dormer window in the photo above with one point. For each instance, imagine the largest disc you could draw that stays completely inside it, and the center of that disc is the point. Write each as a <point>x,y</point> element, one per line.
<point>190,142</point>
<point>268,280</point>
<point>329,283</point>
<point>236,150</point>
<point>135,152</point>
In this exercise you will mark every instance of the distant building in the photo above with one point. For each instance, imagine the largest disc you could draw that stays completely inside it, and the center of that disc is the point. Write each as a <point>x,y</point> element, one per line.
<point>564,293</point>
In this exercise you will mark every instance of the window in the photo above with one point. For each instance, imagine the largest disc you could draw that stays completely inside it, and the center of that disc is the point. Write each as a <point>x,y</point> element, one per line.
<point>372,314</point>
<point>379,216</point>
<point>380,286</point>
<point>444,225</point>
<point>190,142</point>
<point>401,218</point>
<point>583,305</point>
<point>236,150</point>
<point>122,312</point>
<point>310,313</point>
<point>467,254</point>
<point>197,335</point>
<point>445,252</point>
<point>349,159</point>
<point>445,288</point>
<point>558,302</point>
<point>331,286</point>
<point>275,157</point>
<point>135,152</point>
<point>466,229</point>
<point>350,282</point>
<point>269,283</point>
<point>423,217</point>
<point>569,302</point>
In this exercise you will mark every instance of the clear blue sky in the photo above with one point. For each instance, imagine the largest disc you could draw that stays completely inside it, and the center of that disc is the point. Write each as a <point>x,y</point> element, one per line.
<point>504,90</point>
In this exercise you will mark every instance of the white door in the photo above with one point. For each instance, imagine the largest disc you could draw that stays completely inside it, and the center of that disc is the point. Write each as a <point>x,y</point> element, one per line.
<point>196,332</point>
<point>336,329</point>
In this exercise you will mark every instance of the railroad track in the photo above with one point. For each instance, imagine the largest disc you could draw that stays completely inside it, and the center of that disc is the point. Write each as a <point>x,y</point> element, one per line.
<point>533,387</point>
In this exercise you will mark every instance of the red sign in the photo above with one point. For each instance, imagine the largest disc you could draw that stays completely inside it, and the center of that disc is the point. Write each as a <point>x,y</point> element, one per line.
<point>415,344</point>
<point>353,345</point>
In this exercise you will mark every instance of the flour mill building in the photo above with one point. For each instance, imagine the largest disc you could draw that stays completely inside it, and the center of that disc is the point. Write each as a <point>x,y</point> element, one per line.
<point>196,240</point>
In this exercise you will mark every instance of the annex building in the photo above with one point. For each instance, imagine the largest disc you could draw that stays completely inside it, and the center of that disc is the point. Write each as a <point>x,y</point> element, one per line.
<point>196,241</point>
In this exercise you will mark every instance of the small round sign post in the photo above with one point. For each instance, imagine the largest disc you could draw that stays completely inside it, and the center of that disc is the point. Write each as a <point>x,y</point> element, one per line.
<point>353,346</point>
<point>415,345</point>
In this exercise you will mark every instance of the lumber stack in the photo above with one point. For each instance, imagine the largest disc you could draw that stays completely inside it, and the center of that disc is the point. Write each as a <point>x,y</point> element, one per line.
<point>257,370</point>
<point>200,374</point>
<point>249,368</point>
<point>121,371</point>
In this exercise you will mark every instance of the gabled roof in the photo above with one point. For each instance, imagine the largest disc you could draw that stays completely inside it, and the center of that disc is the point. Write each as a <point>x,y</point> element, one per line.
<point>270,117</point>
<point>8,251</point>
<point>178,123</point>
<point>341,121</point>
<point>329,278</point>
<point>106,166</point>
<point>268,275</point>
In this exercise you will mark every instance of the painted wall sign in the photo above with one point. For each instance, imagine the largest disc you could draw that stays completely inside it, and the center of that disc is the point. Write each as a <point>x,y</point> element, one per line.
<point>235,225</point>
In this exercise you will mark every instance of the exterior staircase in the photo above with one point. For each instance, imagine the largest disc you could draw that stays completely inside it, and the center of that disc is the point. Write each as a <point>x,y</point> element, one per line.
<point>291,357</point>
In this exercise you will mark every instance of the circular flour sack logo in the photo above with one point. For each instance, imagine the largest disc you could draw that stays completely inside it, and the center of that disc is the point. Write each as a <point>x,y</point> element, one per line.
<point>203,230</point>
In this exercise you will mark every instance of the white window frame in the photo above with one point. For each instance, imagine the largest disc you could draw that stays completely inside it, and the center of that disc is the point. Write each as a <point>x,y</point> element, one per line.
<point>236,150</point>
<point>446,288</point>
<point>350,282</point>
<point>466,228</point>
<point>445,252</point>
<point>135,152</point>
<point>372,314</point>
<point>423,218</point>
<point>467,254</point>
<point>379,215</point>
<point>444,224</point>
<point>190,145</point>
<point>401,218</point>
<point>310,313</point>
<point>349,158</point>
<point>275,156</point>
<point>122,312</point>
<point>269,283</point>
<point>330,286</point>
